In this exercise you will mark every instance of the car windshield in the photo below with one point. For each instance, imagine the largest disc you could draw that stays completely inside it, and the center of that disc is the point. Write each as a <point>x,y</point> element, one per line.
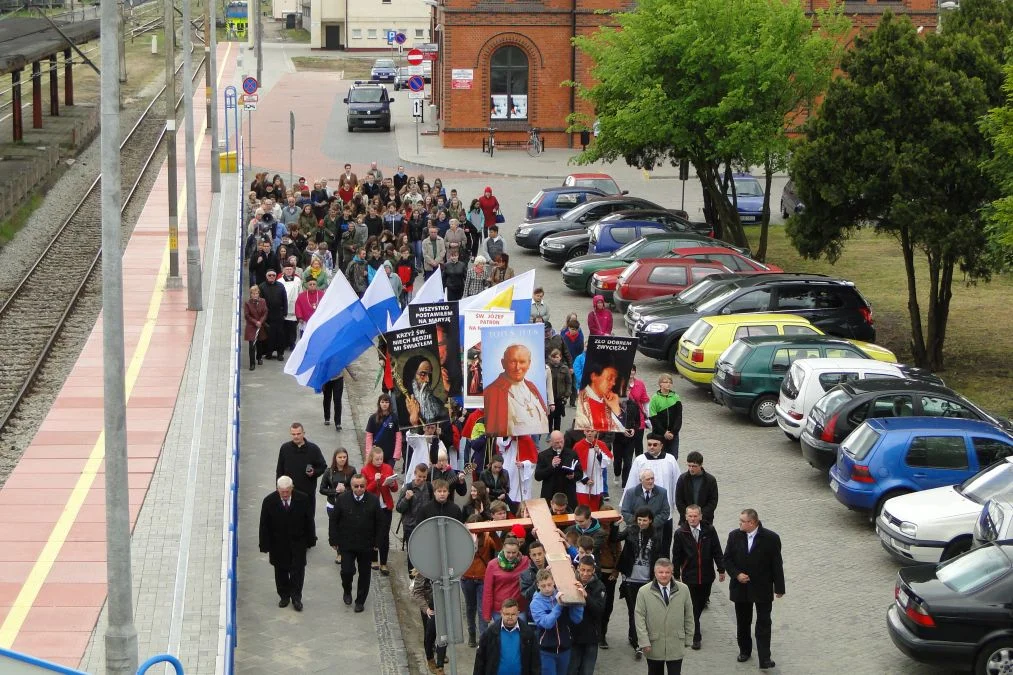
<point>698,290</point>
<point>712,301</point>
<point>747,187</point>
<point>365,95</point>
<point>987,483</point>
<point>383,63</point>
<point>977,568</point>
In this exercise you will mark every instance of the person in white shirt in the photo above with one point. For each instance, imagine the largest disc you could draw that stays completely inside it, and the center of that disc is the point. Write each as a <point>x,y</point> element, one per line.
<point>520,471</point>
<point>666,474</point>
<point>293,287</point>
<point>420,445</point>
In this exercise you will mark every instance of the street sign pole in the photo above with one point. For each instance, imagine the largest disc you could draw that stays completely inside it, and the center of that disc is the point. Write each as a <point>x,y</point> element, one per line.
<point>448,595</point>
<point>291,145</point>
<point>416,135</point>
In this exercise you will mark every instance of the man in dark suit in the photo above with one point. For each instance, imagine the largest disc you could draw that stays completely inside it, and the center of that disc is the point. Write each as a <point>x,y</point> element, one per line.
<point>753,561</point>
<point>558,469</point>
<point>355,529</point>
<point>286,531</point>
<point>696,486</point>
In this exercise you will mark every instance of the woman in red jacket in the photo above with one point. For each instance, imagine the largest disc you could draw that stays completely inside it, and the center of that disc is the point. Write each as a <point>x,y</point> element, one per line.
<point>503,580</point>
<point>380,480</point>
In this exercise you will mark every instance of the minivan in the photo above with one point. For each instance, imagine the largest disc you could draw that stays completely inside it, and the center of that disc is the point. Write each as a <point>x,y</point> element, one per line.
<point>368,106</point>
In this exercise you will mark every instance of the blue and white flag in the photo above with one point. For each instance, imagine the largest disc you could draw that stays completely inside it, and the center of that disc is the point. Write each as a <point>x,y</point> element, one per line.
<point>337,333</point>
<point>380,303</point>
<point>430,292</point>
<point>523,288</point>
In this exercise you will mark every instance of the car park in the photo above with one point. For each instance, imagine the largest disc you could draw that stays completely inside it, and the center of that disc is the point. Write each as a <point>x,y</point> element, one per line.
<point>615,230</point>
<point>833,305</point>
<point>934,525</point>
<point>849,404</point>
<point>383,70</point>
<point>889,456</point>
<point>994,522</point>
<point>601,181</point>
<point>808,380</point>
<point>748,198</point>
<point>529,234</point>
<point>957,613</point>
<point>748,375</point>
<point>368,106</point>
<point>554,201</point>
<point>790,201</point>
<point>657,276</point>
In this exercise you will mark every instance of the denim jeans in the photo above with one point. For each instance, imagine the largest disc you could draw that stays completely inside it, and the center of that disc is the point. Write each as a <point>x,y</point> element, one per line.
<point>555,664</point>
<point>583,659</point>
<point>473,604</point>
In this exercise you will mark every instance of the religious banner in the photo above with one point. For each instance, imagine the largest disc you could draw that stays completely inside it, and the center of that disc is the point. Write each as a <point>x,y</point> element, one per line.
<point>474,321</point>
<point>514,380</point>
<point>420,396</point>
<point>606,376</point>
<point>444,316</point>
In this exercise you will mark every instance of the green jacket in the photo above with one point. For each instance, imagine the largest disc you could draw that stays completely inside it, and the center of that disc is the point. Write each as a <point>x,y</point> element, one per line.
<point>666,629</point>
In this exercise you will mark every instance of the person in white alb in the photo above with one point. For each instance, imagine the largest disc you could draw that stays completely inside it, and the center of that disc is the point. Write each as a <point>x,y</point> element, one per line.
<point>519,458</point>
<point>666,474</point>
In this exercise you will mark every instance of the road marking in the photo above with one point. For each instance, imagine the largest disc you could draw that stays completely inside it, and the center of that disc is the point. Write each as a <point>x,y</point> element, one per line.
<point>61,529</point>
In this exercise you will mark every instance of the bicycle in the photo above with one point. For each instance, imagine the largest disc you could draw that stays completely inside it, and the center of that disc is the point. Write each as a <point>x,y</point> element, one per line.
<point>534,143</point>
<point>491,143</point>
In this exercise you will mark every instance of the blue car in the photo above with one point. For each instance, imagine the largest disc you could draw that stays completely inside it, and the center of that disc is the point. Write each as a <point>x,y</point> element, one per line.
<point>618,229</point>
<point>383,70</point>
<point>749,197</point>
<point>555,201</point>
<point>889,456</point>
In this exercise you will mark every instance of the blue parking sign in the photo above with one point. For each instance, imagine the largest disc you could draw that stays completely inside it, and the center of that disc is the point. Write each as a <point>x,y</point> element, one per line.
<point>390,36</point>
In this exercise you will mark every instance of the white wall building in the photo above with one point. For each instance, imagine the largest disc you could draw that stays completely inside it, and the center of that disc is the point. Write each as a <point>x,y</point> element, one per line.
<point>363,24</point>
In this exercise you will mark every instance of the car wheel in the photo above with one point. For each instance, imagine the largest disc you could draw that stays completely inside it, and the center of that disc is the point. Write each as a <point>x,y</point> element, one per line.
<point>956,547</point>
<point>350,127</point>
<point>874,516</point>
<point>588,288</point>
<point>995,657</point>
<point>577,252</point>
<point>763,412</point>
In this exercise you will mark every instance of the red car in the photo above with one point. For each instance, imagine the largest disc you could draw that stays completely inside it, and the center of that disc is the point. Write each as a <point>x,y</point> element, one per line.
<point>602,181</point>
<point>731,259</point>
<point>650,278</point>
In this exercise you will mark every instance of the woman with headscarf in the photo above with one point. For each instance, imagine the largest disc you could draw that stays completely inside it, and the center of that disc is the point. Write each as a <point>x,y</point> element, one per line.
<point>599,319</point>
<point>490,209</point>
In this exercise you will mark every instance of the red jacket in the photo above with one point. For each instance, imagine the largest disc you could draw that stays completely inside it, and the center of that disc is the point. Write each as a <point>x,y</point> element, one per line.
<point>384,492</point>
<point>500,585</point>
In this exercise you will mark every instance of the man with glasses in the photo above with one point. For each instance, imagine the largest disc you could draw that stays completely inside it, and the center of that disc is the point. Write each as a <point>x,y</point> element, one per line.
<point>354,529</point>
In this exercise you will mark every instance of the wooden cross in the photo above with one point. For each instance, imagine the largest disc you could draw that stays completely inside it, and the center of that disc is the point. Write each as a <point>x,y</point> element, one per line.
<point>546,528</point>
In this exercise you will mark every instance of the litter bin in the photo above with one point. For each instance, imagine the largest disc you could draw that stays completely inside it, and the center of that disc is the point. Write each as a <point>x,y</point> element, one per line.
<point>227,162</point>
<point>290,21</point>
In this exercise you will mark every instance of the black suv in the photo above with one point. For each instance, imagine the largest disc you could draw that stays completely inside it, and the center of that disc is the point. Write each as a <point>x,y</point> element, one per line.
<point>833,305</point>
<point>530,233</point>
<point>847,405</point>
<point>368,106</point>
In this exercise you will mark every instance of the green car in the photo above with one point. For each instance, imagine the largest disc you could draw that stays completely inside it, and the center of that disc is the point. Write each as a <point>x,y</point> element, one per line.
<point>577,272</point>
<point>748,376</point>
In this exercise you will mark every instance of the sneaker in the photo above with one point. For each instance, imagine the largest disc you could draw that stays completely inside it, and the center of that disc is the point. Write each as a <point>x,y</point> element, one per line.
<point>638,654</point>
<point>384,571</point>
<point>471,641</point>
<point>327,423</point>
<point>603,644</point>
<point>337,426</point>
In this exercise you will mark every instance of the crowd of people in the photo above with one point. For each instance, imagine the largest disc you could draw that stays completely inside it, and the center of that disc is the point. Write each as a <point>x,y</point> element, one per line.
<point>659,553</point>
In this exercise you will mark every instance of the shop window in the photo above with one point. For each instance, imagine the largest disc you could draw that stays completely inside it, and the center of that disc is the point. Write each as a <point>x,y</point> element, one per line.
<point>508,84</point>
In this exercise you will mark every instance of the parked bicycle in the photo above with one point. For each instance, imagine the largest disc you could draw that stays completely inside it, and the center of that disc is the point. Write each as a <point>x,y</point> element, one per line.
<point>491,141</point>
<point>534,142</point>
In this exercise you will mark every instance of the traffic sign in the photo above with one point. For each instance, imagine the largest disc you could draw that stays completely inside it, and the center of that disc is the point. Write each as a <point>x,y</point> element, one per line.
<point>416,83</point>
<point>249,106</point>
<point>250,85</point>
<point>390,36</point>
<point>415,57</point>
<point>441,546</point>
<point>417,108</point>
<point>251,98</point>
<point>412,95</point>
<point>400,38</point>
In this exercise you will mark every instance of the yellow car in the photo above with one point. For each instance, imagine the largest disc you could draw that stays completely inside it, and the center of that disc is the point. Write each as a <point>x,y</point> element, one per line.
<point>701,345</point>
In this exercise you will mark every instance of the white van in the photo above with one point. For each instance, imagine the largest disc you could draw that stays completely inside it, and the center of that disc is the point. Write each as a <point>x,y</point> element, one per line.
<point>809,379</point>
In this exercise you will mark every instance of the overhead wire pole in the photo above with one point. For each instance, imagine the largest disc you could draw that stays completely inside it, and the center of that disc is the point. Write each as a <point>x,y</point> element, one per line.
<point>193,271</point>
<point>212,93</point>
<point>123,43</point>
<point>169,24</point>
<point>121,635</point>
<point>260,41</point>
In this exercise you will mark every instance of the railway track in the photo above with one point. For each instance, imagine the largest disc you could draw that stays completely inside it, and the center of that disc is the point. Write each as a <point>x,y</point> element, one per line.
<point>35,313</point>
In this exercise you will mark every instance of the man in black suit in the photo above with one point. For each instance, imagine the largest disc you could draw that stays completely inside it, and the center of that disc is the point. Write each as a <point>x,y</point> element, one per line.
<point>286,531</point>
<point>753,561</point>
<point>559,470</point>
<point>355,529</point>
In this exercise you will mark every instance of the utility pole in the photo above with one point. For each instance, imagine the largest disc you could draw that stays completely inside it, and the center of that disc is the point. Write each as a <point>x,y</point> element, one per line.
<point>121,635</point>
<point>260,41</point>
<point>169,24</point>
<point>212,94</point>
<point>193,271</point>
<point>123,49</point>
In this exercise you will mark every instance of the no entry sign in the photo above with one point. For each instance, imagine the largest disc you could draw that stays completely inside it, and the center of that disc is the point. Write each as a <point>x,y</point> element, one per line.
<point>414,57</point>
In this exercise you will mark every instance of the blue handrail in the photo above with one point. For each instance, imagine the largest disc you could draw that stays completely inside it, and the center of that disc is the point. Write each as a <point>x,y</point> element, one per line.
<point>38,663</point>
<point>161,658</point>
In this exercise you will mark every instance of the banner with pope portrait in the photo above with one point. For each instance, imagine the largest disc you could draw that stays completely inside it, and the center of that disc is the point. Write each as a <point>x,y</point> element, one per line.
<point>514,380</point>
<point>605,379</point>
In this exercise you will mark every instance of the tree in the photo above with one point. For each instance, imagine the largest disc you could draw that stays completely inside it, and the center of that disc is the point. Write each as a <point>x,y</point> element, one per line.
<point>896,146</point>
<point>714,81</point>
<point>998,126</point>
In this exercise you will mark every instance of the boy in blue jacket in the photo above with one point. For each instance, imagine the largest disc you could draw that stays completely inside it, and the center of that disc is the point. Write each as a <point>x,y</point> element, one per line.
<point>553,622</point>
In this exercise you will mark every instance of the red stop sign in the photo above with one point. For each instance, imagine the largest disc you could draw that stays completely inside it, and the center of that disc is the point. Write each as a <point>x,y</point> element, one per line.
<point>415,57</point>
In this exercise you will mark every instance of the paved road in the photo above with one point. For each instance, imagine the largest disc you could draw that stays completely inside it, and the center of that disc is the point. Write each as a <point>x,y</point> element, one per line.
<point>839,580</point>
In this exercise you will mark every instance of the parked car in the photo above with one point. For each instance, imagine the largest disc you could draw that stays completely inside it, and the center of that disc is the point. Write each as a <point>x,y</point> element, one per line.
<point>383,70</point>
<point>651,277</point>
<point>748,198</point>
<point>957,613</point>
<point>554,201</point>
<point>994,522</point>
<point>935,525</point>
<point>733,260</point>
<point>601,181</point>
<point>889,456</point>
<point>833,305</point>
<point>790,202</point>
<point>849,404</point>
<point>577,272</point>
<point>529,234</point>
<point>401,78</point>
<point>615,230</point>
<point>368,106</point>
<point>748,375</point>
<point>565,246</point>
<point>808,380</point>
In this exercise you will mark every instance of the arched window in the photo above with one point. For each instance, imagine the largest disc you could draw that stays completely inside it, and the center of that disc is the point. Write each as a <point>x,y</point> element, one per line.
<point>508,84</point>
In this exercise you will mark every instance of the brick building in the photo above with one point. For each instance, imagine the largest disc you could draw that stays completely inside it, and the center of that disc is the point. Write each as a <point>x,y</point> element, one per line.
<point>502,62</point>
